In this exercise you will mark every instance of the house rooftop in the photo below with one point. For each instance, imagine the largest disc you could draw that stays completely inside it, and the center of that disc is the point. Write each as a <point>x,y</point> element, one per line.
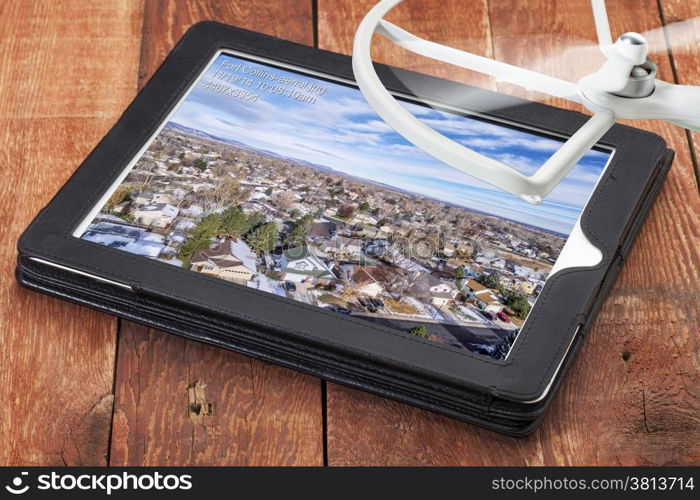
<point>323,229</point>
<point>165,208</point>
<point>340,242</point>
<point>382,274</point>
<point>220,255</point>
<point>320,270</point>
<point>298,253</point>
<point>242,252</point>
<point>476,286</point>
<point>488,297</point>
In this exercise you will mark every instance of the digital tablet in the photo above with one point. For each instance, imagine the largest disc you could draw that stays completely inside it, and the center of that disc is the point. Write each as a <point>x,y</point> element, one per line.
<point>250,197</point>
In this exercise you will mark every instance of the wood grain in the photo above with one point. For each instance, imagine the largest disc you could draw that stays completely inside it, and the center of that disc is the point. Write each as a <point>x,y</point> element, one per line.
<point>182,403</point>
<point>684,51</point>
<point>338,19</point>
<point>165,21</point>
<point>60,95</point>
<point>639,371</point>
<point>633,394</point>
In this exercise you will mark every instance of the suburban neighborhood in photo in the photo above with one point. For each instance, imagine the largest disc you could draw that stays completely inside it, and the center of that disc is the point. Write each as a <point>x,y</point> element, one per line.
<point>327,206</point>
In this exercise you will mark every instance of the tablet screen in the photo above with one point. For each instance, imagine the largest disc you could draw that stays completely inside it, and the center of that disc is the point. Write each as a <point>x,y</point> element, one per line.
<point>287,182</point>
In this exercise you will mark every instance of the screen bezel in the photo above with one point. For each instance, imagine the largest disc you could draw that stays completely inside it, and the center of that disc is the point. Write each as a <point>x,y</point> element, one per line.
<point>570,253</point>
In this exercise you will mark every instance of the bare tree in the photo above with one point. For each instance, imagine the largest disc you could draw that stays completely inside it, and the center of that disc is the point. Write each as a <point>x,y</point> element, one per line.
<point>284,200</point>
<point>226,191</point>
<point>346,211</point>
<point>142,179</point>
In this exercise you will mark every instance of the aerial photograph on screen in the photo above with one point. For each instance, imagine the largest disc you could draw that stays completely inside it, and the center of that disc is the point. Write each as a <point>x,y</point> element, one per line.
<point>292,185</point>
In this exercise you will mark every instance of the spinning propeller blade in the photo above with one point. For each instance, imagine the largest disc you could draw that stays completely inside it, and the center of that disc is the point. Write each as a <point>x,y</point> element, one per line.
<point>602,26</point>
<point>531,80</point>
<point>627,52</point>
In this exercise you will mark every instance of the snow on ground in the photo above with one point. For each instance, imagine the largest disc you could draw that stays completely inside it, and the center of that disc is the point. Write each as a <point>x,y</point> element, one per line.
<point>409,265</point>
<point>110,218</point>
<point>183,224</point>
<point>483,348</point>
<point>472,316</point>
<point>145,248</point>
<point>265,284</point>
<point>433,312</point>
<point>126,238</point>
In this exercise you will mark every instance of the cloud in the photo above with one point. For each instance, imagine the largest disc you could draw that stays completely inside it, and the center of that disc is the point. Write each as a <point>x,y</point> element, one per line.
<point>372,126</point>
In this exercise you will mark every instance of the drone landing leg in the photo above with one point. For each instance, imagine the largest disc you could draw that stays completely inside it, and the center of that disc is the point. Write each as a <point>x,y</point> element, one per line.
<point>567,156</point>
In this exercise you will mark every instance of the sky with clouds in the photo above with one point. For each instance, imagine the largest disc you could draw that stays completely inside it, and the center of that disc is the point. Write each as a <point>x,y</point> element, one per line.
<point>342,132</point>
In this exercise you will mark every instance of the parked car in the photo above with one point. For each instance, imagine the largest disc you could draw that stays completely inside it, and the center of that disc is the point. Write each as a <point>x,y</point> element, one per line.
<point>502,316</point>
<point>371,308</point>
<point>289,286</point>
<point>488,315</point>
<point>339,309</point>
<point>377,303</point>
<point>362,302</point>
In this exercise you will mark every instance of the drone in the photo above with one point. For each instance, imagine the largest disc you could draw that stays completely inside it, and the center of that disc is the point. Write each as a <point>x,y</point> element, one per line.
<point>625,87</point>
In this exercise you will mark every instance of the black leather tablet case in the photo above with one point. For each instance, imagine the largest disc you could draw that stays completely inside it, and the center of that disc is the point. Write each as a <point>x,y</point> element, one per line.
<point>508,396</point>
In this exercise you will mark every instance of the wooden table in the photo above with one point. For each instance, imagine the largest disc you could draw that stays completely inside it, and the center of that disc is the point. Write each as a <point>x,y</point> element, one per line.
<point>81,387</point>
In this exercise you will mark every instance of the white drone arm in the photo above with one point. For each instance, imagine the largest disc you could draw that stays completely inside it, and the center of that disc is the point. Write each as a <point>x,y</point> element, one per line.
<point>677,104</point>
<point>682,103</point>
<point>531,188</point>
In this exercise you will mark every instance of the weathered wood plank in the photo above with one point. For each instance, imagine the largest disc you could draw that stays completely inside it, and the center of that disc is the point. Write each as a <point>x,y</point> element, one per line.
<point>58,60</point>
<point>60,95</point>
<point>167,20</point>
<point>639,369</point>
<point>685,50</point>
<point>180,402</point>
<point>634,386</point>
<point>632,397</point>
<point>337,21</point>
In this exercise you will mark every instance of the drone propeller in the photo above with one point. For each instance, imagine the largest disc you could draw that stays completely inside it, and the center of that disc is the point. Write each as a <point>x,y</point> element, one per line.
<point>629,51</point>
<point>682,32</point>
<point>623,87</point>
<point>680,36</point>
<point>602,25</point>
<point>531,80</point>
<point>626,57</point>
